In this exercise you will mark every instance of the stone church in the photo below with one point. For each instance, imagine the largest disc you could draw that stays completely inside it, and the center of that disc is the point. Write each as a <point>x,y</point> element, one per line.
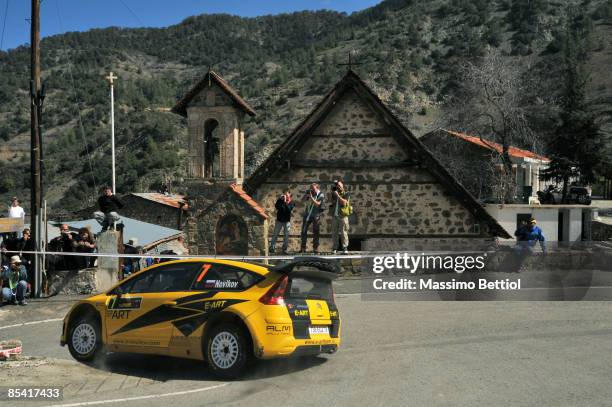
<point>403,198</point>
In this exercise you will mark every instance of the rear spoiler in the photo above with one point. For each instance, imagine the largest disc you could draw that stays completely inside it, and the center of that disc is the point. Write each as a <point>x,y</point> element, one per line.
<point>326,268</point>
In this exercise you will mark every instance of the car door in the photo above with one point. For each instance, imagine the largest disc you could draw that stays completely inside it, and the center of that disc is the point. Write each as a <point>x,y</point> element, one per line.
<point>140,312</point>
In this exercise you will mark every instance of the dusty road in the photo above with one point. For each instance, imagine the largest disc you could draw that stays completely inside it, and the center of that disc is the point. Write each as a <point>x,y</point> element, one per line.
<point>394,353</point>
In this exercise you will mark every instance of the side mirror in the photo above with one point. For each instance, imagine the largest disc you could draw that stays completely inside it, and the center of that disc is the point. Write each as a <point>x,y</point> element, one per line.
<point>118,291</point>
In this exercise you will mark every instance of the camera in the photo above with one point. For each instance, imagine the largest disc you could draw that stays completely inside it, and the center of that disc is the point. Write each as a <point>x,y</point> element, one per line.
<point>335,186</point>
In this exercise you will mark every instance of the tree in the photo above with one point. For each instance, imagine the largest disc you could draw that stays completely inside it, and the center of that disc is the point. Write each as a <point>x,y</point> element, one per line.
<point>577,147</point>
<point>490,103</point>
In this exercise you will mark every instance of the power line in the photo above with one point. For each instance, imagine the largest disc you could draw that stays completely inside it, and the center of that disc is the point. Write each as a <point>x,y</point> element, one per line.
<point>132,12</point>
<point>4,24</point>
<point>76,100</point>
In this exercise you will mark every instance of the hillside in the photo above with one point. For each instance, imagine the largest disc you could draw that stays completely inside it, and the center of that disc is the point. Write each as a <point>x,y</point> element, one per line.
<point>407,51</point>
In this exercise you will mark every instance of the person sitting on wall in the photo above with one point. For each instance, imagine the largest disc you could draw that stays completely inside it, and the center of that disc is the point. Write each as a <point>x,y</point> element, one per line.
<point>84,243</point>
<point>109,204</point>
<point>13,281</point>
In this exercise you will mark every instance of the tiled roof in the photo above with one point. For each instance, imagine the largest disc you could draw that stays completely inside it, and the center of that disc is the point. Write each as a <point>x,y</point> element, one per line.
<point>493,146</point>
<point>248,200</point>
<point>176,201</point>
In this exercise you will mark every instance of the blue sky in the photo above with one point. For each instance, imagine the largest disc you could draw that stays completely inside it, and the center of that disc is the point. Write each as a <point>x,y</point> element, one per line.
<point>81,15</point>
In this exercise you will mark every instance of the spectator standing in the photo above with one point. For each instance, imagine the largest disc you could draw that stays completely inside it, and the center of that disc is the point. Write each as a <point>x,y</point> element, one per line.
<point>26,244</point>
<point>14,282</point>
<point>15,210</point>
<point>284,206</point>
<point>341,209</point>
<point>84,243</point>
<point>315,205</point>
<point>109,204</point>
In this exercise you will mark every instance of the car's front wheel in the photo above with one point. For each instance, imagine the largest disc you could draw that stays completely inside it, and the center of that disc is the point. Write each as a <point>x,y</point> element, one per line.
<point>227,350</point>
<point>84,339</point>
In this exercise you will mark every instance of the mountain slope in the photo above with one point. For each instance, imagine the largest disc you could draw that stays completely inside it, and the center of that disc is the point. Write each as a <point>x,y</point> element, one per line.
<point>408,52</point>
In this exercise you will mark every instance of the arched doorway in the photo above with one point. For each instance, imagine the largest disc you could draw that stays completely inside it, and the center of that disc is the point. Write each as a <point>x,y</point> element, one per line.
<point>232,236</point>
<point>211,149</point>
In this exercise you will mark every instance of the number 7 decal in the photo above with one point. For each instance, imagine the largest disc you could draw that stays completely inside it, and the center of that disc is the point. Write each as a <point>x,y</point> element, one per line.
<point>205,269</point>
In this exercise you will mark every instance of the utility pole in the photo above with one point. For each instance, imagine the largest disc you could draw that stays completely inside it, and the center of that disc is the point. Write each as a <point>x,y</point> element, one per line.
<point>110,79</point>
<point>35,141</point>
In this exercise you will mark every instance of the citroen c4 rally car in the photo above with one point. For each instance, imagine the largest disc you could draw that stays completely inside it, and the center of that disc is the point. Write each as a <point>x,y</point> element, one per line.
<point>224,312</point>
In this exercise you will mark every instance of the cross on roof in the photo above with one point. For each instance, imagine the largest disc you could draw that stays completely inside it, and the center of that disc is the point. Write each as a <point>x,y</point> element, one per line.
<point>111,77</point>
<point>350,62</point>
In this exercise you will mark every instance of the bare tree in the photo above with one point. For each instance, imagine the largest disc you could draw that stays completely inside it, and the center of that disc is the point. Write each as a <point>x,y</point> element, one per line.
<point>490,103</point>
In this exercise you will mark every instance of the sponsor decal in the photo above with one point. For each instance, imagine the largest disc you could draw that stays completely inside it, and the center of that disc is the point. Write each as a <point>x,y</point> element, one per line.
<point>186,317</point>
<point>319,342</point>
<point>220,284</point>
<point>142,342</point>
<point>278,329</point>
<point>300,312</point>
<point>118,314</point>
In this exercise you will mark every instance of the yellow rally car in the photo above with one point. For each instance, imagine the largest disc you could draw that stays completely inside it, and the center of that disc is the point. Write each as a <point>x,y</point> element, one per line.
<point>224,312</point>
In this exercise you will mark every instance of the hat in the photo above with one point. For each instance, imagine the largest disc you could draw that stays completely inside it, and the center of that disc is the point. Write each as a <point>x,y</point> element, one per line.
<point>133,241</point>
<point>532,221</point>
<point>15,259</point>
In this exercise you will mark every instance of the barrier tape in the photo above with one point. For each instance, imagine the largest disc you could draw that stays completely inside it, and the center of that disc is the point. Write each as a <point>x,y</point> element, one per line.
<point>247,258</point>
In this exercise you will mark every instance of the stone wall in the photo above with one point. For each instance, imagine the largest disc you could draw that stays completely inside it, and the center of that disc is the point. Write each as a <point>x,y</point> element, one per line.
<point>202,227</point>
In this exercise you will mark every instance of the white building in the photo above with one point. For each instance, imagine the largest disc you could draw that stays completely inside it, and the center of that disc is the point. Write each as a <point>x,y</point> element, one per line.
<point>559,223</point>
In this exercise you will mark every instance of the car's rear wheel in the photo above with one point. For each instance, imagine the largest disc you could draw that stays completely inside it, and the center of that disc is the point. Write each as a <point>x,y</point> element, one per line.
<point>84,338</point>
<point>227,350</point>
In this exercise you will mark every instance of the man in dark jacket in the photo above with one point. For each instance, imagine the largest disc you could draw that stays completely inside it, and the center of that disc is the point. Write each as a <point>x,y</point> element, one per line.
<point>109,205</point>
<point>25,244</point>
<point>284,206</point>
<point>63,243</point>
<point>315,205</point>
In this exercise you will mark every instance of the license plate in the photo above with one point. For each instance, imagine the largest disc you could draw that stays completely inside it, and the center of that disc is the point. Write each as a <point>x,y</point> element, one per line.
<point>318,330</point>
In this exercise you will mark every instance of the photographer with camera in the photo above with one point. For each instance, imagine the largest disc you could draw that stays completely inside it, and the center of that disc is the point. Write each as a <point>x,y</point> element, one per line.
<point>14,282</point>
<point>63,243</point>
<point>315,205</point>
<point>341,209</point>
<point>284,206</point>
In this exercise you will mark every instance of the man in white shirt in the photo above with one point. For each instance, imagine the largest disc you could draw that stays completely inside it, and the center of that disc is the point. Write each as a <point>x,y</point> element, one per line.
<point>16,211</point>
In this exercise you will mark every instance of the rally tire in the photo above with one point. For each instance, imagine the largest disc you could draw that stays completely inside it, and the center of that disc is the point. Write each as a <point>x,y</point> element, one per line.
<point>85,339</point>
<point>227,351</point>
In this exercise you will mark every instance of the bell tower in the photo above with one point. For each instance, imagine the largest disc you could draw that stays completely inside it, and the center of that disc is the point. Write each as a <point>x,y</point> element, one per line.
<point>215,114</point>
